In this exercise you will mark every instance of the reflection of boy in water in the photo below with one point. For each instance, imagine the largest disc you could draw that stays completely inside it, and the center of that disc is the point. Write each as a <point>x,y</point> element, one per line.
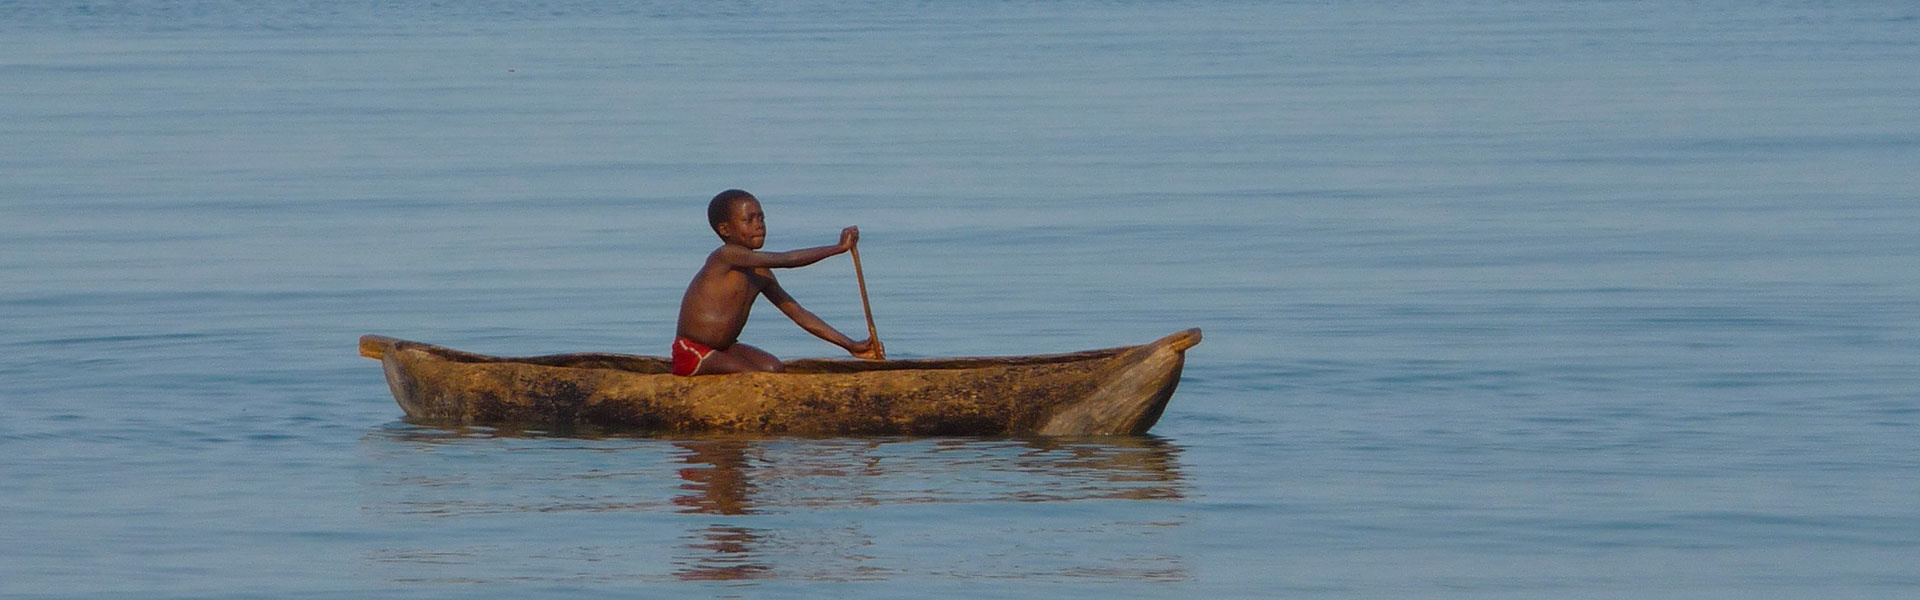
<point>721,295</point>
<point>716,482</point>
<point>717,478</point>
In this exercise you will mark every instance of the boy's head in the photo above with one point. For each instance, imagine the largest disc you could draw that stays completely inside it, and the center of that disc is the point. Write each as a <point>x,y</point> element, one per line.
<point>736,217</point>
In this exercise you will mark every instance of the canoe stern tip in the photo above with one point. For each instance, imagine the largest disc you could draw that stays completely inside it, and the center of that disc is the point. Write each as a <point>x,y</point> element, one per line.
<point>376,346</point>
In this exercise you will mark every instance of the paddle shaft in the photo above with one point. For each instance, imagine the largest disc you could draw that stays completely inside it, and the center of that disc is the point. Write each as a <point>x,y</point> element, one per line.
<point>861,276</point>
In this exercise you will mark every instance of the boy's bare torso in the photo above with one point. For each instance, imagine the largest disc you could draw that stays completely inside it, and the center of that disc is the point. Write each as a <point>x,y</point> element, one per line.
<point>718,301</point>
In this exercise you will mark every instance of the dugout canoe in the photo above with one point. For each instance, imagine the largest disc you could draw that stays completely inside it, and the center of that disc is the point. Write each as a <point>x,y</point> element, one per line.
<point>1116,391</point>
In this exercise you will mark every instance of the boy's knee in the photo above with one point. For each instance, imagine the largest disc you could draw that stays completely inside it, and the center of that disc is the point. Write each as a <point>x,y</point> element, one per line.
<point>755,359</point>
<point>763,361</point>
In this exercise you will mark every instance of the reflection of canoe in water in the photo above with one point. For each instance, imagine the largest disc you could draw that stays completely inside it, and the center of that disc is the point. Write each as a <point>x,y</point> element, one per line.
<point>1098,392</point>
<point>435,474</point>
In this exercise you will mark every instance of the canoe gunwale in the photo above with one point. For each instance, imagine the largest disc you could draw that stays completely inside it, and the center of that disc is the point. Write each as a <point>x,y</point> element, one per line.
<point>376,346</point>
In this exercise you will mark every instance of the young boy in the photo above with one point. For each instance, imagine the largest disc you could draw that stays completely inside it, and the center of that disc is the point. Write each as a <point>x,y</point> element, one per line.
<point>722,293</point>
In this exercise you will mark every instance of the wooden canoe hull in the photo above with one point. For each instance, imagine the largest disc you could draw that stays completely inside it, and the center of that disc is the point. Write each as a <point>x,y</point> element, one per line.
<point>1115,391</point>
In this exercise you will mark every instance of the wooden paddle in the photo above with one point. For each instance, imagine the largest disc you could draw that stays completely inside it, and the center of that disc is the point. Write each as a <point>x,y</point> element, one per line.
<point>864,305</point>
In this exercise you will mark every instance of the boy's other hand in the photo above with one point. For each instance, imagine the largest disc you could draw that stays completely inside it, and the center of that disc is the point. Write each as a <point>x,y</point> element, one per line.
<point>870,350</point>
<point>849,238</point>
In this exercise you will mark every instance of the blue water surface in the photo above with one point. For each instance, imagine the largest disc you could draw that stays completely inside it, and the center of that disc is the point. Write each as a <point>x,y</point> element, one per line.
<point>1502,298</point>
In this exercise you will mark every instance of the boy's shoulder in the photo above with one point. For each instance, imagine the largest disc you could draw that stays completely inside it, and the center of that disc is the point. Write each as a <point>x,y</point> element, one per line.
<point>730,256</point>
<point>728,251</point>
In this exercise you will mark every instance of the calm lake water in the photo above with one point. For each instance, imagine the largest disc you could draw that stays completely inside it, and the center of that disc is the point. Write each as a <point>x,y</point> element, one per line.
<point>1502,298</point>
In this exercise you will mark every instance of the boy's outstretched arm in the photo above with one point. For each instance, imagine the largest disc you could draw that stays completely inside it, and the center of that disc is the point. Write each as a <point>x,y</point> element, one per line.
<point>815,325</point>
<point>740,256</point>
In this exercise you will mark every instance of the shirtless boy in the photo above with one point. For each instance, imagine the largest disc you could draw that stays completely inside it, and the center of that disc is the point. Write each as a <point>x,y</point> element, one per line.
<point>722,293</point>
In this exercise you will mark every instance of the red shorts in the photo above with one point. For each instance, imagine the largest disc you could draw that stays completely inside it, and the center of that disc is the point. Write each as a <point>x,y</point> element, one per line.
<point>688,356</point>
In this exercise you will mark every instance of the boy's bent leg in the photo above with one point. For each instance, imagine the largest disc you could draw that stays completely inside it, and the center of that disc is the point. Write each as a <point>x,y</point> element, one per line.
<point>740,358</point>
<point>760,359</point>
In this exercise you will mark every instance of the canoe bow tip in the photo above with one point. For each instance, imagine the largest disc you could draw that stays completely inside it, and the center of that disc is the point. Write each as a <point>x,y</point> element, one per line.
<point>1181,341</point>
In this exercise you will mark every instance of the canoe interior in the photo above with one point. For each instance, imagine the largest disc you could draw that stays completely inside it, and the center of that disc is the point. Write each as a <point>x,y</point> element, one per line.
<point>654,365</point>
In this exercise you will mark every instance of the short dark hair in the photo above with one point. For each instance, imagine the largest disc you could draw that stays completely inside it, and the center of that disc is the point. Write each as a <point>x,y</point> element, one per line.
<point>722,207</point>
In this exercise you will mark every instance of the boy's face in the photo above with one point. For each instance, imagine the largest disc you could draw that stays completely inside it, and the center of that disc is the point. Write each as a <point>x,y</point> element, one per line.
<point>746,225</point>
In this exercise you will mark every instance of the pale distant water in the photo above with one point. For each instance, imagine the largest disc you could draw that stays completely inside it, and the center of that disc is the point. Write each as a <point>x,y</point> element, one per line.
<point>1502,298</point>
